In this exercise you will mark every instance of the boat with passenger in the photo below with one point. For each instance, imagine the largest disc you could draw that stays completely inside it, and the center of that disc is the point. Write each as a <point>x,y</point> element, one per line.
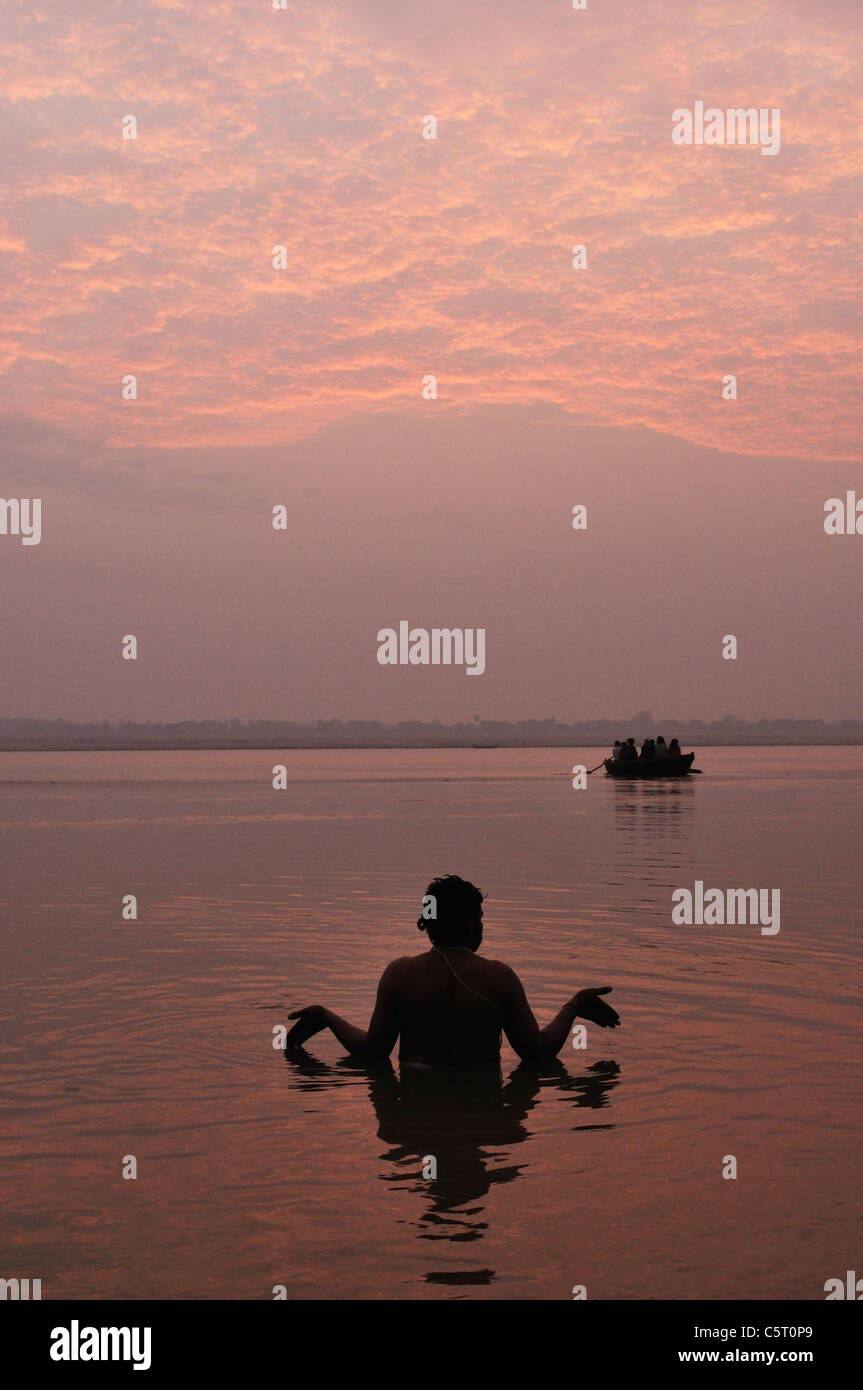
<point>651,767</point>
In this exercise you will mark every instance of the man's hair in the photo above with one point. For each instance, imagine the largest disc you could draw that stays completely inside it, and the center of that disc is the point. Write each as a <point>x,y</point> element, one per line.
<point>455,903</point>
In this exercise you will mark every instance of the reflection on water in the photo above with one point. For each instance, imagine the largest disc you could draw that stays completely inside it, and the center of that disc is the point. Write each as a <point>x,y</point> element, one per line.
<point>653,809</point>
<point>654,823</point>
<point>459,1127</point>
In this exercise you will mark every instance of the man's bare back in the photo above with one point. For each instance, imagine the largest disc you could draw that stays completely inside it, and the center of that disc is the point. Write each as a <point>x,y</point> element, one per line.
<point>449,1005</point>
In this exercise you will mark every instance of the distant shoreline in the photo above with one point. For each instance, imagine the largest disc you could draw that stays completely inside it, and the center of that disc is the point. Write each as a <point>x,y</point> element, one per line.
<point>321,745</point>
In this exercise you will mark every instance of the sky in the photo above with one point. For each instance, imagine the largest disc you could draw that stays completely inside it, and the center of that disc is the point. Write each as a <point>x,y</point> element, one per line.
<point>404,258</point>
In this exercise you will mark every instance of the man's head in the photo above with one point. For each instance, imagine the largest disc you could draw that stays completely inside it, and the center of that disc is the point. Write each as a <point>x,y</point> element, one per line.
<point>454,915</point>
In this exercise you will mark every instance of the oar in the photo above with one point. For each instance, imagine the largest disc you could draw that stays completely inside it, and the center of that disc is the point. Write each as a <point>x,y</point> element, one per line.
<point>596,769</point>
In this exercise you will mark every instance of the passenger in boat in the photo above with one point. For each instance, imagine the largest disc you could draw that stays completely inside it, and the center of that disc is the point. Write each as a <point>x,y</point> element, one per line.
<point>648,748</point>
<point>449,1004</point>
<point>617,751</point>
<point>674,749</point>
<point>630,752</point>
<point>661,750</point>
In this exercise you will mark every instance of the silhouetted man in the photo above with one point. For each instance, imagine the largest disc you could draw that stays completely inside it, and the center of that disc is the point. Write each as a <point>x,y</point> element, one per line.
<point>449,1005</point>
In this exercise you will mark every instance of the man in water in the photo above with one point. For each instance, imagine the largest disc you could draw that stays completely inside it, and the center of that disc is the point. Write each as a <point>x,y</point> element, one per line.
<point>449,1005</point>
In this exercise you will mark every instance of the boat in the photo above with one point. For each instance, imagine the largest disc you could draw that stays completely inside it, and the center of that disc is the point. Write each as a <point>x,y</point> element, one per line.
<point>650,767</point>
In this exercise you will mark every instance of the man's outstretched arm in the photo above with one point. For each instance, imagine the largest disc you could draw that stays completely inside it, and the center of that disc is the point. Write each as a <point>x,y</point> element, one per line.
<point>533,1043</point>
<point>378,1040</point>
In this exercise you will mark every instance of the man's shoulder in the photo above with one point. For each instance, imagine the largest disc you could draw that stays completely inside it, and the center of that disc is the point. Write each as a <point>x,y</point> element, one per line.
<point>499,970</point>
<point>403,964</point>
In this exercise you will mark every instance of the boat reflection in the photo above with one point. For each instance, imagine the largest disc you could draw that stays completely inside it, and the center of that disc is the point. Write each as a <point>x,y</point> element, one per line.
<point>653,810</point>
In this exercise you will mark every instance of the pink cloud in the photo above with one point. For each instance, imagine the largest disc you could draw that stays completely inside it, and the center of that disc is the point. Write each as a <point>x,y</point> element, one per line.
<point>407,257</point>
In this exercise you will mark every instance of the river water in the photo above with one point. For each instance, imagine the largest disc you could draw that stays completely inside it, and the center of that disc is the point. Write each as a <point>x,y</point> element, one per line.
<point>152,1039</point>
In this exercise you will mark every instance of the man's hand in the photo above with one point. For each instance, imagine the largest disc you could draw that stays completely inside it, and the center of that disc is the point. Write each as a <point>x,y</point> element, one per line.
<point>589,1005</point>
<point>311,1020</point>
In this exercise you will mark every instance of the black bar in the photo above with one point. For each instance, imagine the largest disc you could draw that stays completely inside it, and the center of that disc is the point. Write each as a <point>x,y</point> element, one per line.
<point>404,1342</point>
